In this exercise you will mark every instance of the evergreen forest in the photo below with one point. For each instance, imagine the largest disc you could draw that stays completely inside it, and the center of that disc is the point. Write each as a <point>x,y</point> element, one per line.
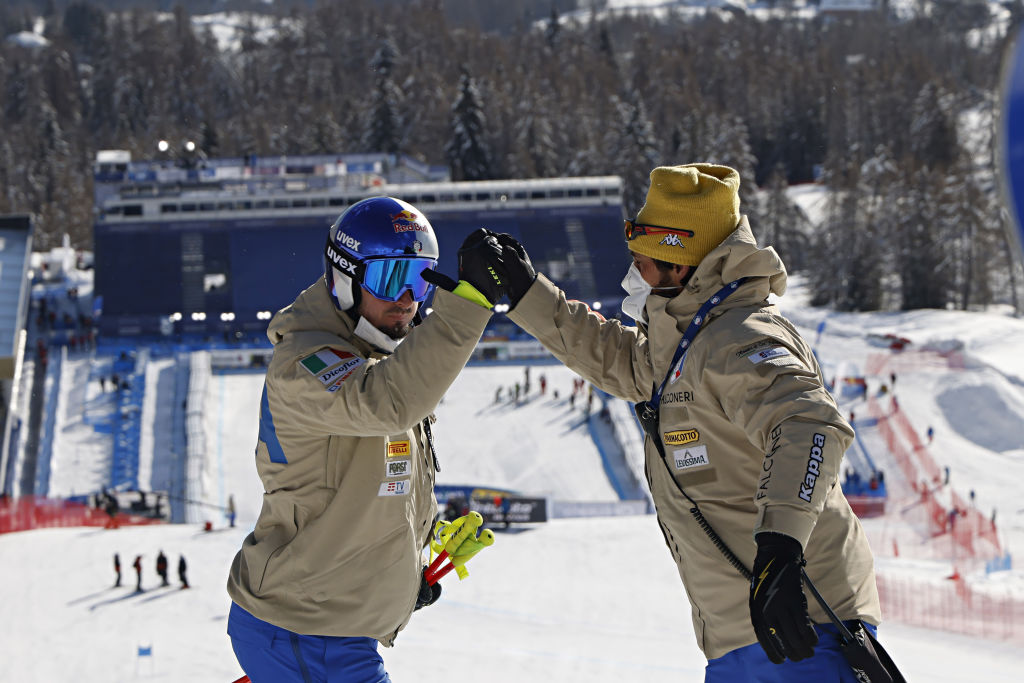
<point>895,115</point>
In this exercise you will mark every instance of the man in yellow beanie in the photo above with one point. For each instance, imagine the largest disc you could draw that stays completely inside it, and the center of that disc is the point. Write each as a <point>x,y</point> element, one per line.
<point>743,440</point>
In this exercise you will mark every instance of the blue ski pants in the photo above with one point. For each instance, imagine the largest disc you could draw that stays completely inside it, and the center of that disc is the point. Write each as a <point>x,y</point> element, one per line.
<point>270,654</point>
<point>751,664</point>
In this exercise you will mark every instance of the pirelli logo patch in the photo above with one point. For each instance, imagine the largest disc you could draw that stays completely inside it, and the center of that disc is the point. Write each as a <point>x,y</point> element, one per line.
<point>398,448</point>
<point>681,437</point>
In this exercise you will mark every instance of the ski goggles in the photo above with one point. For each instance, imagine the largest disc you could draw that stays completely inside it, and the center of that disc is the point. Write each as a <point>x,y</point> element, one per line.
<point>389,278</point>
<point>634,230</point>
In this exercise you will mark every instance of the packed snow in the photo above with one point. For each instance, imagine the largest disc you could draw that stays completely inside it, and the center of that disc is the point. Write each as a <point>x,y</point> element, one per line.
<point>584,599</point>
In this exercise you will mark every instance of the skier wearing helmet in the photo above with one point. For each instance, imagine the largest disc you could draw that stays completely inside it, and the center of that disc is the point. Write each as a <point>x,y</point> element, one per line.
<point>334,564</point>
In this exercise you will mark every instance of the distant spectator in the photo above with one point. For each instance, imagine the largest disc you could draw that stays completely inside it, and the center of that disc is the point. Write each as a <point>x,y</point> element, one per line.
<point>111,507</point>
<point>117,570</point>
<point>892,380</point>
<point>231,510</point>
<point>181,571</point>
<point>930,433</point>
<point>451,509</point>
<point>138,573</point>
<point>161,568</point>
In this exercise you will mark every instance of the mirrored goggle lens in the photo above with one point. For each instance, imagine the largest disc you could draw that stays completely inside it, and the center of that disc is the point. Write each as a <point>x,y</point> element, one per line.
<point>387,279</point>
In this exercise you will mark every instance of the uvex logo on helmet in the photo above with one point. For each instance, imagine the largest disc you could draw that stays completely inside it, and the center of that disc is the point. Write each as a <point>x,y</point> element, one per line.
<point>406,221</point>
<point>340,261</point>
<point>349,242</point>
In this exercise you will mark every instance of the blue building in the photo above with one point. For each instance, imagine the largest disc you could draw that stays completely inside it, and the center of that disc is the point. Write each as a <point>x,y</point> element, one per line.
<point>214,247</point>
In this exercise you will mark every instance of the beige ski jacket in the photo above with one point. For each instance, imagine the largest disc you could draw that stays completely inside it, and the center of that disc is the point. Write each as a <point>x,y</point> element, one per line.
<point>749,430</point>
<point>347,468</point>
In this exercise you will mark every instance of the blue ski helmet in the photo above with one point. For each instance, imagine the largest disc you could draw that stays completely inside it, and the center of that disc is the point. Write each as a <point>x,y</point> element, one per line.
<point>382,244</point>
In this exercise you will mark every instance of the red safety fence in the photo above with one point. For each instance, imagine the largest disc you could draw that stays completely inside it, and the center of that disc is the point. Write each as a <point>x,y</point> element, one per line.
<point>867,506</point>
<point>974,534</point>
<point>952,605</point>
<point>883,364</point>
<point>921,453</point>
<point>34,512</point>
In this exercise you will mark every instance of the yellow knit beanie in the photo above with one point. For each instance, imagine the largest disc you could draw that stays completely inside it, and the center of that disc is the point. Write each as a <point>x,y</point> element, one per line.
<point>702,200</point>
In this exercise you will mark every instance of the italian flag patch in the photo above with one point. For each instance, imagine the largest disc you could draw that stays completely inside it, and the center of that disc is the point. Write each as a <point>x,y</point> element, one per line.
<point>323,359</point>
<point>331,367</point>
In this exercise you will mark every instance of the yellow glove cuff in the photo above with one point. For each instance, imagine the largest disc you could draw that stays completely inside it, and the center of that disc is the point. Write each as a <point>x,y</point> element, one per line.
<point>471,293</point>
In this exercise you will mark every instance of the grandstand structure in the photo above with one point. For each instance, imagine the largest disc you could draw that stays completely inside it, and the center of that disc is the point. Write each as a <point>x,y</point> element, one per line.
<point>15,249</point>
<point>213,247</point>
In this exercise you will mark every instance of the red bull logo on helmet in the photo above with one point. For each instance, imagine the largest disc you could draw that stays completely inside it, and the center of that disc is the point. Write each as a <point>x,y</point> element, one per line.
<point>407,221</point>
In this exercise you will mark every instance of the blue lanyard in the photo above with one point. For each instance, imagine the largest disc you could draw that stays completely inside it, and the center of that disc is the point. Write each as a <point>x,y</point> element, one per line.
<point>676,367</point>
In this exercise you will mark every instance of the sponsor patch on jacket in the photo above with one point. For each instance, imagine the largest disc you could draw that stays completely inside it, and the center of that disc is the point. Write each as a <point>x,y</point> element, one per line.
<point>394,488</point>
<point>397,448</point>
<point>759,345</point>
<point>331,367</point>
<point>398,468</point>
<point>768,354</point>
<point>681,437</point>
<point>814,461</point>
<point>694,456</point>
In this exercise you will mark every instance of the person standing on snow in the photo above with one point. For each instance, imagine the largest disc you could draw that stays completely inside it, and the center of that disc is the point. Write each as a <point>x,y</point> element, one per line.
<point>138,573</point>
<point>182,568</point>
<point>161,568</point>
<point>740,427</point>
<point>335,562</point>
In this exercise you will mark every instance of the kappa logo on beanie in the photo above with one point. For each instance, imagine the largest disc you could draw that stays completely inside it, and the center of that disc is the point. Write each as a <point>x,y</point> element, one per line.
<point>701,201</point>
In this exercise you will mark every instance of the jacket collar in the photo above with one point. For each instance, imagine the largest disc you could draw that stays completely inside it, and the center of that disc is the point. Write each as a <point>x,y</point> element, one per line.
<point>314,311</point>
<point>737,256</point>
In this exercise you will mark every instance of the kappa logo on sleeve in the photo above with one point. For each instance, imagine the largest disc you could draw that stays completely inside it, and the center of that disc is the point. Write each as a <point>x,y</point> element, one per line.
<point>397,448</point>
<point>331,367</point>
<point>394,488</point>
<point>814,461</point>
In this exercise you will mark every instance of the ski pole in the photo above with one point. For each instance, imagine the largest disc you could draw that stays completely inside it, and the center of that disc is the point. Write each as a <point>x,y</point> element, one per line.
<point>469,547</point>
<point>456,541</point>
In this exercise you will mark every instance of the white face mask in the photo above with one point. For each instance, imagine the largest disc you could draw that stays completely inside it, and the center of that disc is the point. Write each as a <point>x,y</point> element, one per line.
<point>637,291</point>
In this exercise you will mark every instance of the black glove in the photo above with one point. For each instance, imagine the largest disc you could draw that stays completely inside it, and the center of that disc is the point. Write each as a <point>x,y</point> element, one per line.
<point>778,608</point>
<point>477,240</point>
<point>428,594</point>
<point>477,256</point>
<point>516,267</point>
